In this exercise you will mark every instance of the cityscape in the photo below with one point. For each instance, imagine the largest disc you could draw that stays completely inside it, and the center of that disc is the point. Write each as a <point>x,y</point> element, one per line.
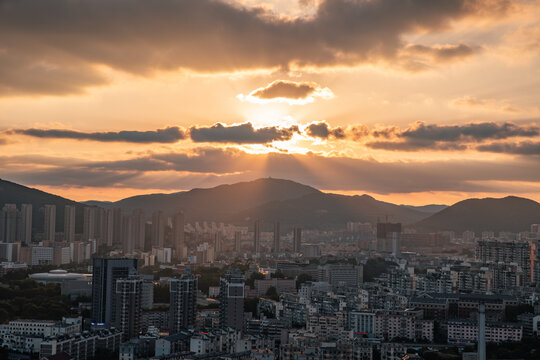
<point>269,179</point>
<point>133,285</point>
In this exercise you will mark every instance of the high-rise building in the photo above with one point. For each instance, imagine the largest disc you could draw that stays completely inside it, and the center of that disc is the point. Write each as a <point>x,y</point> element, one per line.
<point>117,226</point>
<point>276,237</point>
<point>218,243</point>
<point>89,223</point>
<point>389,237</point>
<point>158,229</point>
<point>69,223</point>
<point>257,237</point>
<point>297,240</point>
<point>49,227</point>
<point>128,240</point>
<point>105,274</point>
<point>231,300</point>
<point>138,223</point>
<point>128,306</point>
<point>178,224</point>
<point>8,223</point>
<point>106,227</point>
<point>25,224</point>
<point>237,241</point>
<point>505,252</point>
<point>183,301</point>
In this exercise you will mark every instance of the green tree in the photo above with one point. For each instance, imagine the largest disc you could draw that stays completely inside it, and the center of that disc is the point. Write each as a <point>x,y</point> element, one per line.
<point>161,294</point>
<point>272,294</point>
<point>250,305</point>
<point>254,276</point>
<point>302,278</point>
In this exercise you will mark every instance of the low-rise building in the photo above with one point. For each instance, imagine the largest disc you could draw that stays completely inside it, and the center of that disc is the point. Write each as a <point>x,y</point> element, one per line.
<point>466,331</point>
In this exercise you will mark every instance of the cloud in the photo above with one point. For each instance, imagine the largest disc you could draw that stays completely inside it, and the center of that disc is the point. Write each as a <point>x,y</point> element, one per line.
<point>241,134</point>
<point>416,58</point>
<point>415,145</point>
<point>421,136</point>
<point>488,104</point>
<point>22,74</point>
<point>322,130</point>
<point>520,148</point>
<point>359,132</point>
<point>291,92</point>
<point>167,135</point>
<point>438,53</point>
<point>212,166</point>
<point>475,131</point>
<point>140,37</point>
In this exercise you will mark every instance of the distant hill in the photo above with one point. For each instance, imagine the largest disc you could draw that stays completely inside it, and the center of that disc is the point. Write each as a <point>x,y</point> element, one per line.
<point>12,193</point>
<point>329,210</point>
<point>292,203</point>
<point>507,214</point>
<point>428,209</point>
<point>218,203</point>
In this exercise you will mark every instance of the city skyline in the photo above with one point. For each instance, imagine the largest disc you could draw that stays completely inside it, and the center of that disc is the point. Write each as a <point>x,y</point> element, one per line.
<point>350,97</point>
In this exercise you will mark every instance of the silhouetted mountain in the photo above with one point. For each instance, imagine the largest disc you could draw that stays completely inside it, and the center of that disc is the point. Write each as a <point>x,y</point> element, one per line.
<point>507,214</point>
<point>429,209</point>
<point>329,211</point>
<point>12,193</point>
<point>218,203</point>
<point>293,204</point>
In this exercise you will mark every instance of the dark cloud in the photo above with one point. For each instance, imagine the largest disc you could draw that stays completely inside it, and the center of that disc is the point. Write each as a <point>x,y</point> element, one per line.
<point>520,148</point>
<point>415,145</point>
<point>423,136</point>
<point>62,41</point>
<point>241,134</point>
<point>167,135</point>
<point>359,132</point>
<point>209,167</point>
<point>475,131</point>
<point>21,73</point>
<point>201,160</point>
<point>441,53</point>
<point>286,89</point>
<point>323,130</point>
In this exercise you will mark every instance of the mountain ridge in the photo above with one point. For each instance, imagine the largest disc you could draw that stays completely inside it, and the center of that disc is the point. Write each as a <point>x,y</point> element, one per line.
<point>292,203</point>
<point>509,213</point>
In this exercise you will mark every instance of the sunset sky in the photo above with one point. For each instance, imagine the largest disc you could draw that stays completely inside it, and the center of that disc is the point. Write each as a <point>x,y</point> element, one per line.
<point>410,101</point>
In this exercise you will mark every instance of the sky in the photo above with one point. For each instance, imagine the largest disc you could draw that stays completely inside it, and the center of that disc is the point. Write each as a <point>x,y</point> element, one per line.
<point>412,102</point>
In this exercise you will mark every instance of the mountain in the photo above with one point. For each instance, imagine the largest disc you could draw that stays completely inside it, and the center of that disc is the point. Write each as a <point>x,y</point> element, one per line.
<point>429,209</point>
<point>506,214</point>
<point>328,211</point>
<point>12,193</point>
<point>292,203</point>
<point>217,203</point>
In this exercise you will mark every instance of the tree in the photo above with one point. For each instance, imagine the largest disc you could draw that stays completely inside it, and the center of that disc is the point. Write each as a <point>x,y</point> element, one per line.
<point>254,276</point>
<point>162,294</point>
<point>374,268</point>
<point>272,294</point>
<point>250,305</point>
<point>302,278</point>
